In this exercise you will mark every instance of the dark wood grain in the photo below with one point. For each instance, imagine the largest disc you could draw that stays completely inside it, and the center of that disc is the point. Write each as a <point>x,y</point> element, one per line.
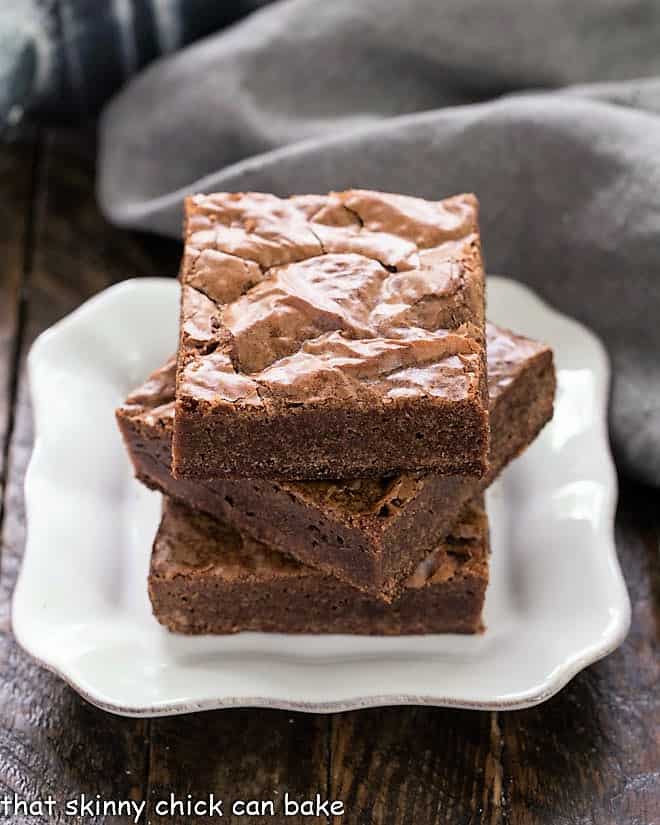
<point>50,740</point>
<point>591,755</point>
<point>422,765</point>
<point>240,755</point>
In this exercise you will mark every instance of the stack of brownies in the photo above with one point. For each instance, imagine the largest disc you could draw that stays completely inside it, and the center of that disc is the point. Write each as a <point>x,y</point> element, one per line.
<point>336,409</point>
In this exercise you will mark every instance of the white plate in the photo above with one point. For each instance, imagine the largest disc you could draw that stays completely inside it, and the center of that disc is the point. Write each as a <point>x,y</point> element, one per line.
<point>556,603</point>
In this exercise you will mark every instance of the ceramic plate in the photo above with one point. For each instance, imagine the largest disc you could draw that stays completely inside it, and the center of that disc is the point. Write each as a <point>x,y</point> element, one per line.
<point>556,603</point>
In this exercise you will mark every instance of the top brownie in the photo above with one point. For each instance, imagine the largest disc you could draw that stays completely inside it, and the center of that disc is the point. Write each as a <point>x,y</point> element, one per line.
<point>330,336</point>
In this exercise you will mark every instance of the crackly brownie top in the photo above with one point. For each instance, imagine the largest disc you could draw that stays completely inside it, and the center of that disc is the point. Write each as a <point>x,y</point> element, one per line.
<point>189,543</point>
<point>507,354</point>
<point>314,298</point>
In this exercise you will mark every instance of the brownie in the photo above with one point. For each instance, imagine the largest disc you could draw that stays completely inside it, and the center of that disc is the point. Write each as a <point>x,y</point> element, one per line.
<point>207,577</point>
<point>369,532</point>
<point>334,336</point>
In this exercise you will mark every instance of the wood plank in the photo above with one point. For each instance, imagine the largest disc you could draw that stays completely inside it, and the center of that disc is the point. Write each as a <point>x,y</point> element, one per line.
<point>51,741</point>
<point>421,765</point>
<point>16,170</point>
<point>240,755</point>
<point>77,253</point>
<point>592,753</point>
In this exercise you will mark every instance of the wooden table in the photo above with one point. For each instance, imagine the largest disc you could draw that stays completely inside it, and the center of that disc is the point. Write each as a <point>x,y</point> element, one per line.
<point>590,755</point>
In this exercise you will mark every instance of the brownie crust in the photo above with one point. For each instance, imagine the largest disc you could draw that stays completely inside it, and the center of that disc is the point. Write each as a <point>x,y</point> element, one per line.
<point>334,336</point>
<point>206,577</point>
<point>371,533</point>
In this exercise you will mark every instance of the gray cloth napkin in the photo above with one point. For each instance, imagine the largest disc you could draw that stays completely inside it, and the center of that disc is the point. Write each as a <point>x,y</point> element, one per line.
<point>433,97</point>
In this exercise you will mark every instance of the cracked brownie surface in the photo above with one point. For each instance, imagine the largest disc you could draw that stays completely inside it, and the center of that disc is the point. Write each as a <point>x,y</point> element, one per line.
<point>352,300</point>
<point>310,297</point>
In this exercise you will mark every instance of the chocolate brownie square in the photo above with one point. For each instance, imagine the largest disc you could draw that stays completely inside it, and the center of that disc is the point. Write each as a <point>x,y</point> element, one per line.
<point>335,336</point>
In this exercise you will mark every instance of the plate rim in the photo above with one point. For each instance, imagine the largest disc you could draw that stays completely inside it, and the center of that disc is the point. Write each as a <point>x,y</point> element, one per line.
<point>612,636</point>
